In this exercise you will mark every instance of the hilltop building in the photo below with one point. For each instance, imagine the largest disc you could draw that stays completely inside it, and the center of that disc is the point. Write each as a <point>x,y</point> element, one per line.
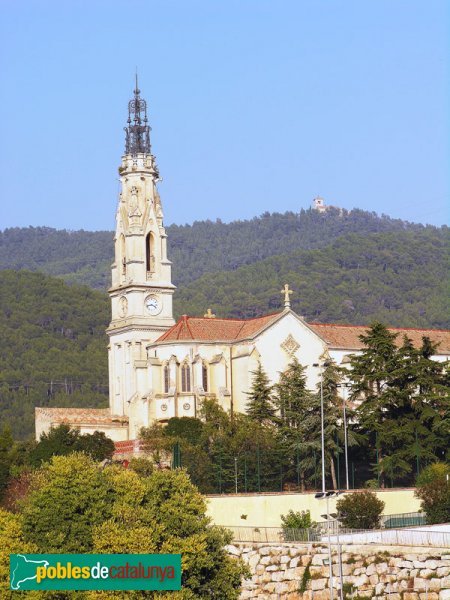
<point>160,369</point>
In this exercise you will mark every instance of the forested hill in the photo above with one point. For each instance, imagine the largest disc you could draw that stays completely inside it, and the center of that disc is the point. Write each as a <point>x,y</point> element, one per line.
<point>53,347</point>
<point>397,278</point>
<point>205,247</point>
<point>52,340</point>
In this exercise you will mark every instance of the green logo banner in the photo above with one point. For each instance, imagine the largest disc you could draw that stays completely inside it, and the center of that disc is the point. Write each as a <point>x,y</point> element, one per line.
<point>95,571</point>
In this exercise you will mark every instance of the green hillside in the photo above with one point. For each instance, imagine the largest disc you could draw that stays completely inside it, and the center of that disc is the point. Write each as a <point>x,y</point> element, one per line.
<point>52,347</point>
<point>85,257</point>
<point>52,340</point>
<point>397,278</point>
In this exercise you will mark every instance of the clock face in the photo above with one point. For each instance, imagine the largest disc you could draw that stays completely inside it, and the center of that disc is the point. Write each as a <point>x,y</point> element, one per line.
<point>153,305</point>
<point>123,306</point>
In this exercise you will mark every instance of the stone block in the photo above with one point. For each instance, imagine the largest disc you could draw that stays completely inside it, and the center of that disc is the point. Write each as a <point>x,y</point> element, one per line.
<point>429,596</point>
<point>361,580</point>
<point>435,584</point>
<point>285,559</point>
<point>395,596</point>
<point>306,560</point>
<point>233,550</point>
<point>253,561</point>
<point>425,573</point>
<point>406,564</point>
<point>277,576</point>
<point>272,568</point>
<point>259,570</point>
<point>373,579</point>
<point>266,577</point>
<point>410,596</point>
<point>381,568</point>
<point>444,594</point>
<point>445,582</point>
<point>419,584</point>
<point>347,569</point>
<point>294,562</point>
<point>269,587</point>
<point>265,560</point>
<point>318,559</point>
<point>281,588</point>
<point>419,564</point>
<point>442,571</point>
<point>264,551</point>
<point>275,560</point>
<point>371,569</point>
<point>318,584</point>
<point>431,564</point>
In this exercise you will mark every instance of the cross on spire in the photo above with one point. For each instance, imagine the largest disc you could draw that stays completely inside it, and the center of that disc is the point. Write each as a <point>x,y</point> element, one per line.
<point>287,292</point>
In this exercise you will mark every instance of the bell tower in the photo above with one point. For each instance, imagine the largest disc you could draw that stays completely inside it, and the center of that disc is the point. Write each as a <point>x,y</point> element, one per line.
<point>141,291</point>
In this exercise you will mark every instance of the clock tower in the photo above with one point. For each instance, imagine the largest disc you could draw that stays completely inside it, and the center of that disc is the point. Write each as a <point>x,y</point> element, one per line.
<point>141,291</point>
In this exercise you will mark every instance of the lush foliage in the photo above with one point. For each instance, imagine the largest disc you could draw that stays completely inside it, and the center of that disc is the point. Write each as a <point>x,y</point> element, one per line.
<point>404,399</point>
<point>63,440</point>
<point>52,347</point>
<point>203,247</point>
<point>75,506</point>
<point>296,520</point>
<point>393,278</point>
<point>361,510</point>
<point>260,406</point>
<point>433,488</point>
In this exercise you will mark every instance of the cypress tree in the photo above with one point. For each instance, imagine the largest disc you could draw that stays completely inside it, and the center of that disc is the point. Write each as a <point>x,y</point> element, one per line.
<point>260,407</point>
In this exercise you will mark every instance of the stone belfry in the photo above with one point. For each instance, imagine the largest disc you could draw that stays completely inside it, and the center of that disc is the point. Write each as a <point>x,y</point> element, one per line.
<point>141,291</point>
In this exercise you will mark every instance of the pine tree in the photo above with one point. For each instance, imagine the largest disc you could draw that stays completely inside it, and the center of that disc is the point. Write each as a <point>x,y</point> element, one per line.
<point>260,406</point>
<point>372,370</point>
<point>293,400</point>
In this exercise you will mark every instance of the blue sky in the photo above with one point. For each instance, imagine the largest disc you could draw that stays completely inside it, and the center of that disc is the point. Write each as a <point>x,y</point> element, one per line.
<point>255,106</point>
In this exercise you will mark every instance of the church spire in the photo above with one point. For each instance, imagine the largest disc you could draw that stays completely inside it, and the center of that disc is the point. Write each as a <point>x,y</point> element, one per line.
<point>137,132</point>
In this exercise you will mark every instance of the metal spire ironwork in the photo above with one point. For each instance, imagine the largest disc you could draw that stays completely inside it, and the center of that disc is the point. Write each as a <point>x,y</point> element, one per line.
<point>137,132</point>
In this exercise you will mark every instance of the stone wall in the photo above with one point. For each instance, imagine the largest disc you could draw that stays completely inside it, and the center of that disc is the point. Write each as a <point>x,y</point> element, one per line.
<point>301,572</point>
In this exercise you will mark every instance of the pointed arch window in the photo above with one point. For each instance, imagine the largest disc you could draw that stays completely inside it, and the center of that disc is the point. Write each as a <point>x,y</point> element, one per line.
<point>166,379</point>
<point>185,378</point>
<point>150,252</point>
<point>205,377</point>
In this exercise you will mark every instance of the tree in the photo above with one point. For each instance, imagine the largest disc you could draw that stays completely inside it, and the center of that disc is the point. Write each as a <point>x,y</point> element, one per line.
<point>360,510</point>
<point>434,491</point>
<point>12,541</point>
<point>260,407</point>
<point>294,403</point>
<point>371,373</point>
<point>293,525</point>
<point>76,506</point>
<point>62,440</point>
<point>69,496</point>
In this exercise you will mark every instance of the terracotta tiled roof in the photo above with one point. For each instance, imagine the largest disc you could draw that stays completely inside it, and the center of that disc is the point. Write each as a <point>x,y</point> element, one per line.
<point>81,416</point>
<point>347,336</point>
<point>337,336</point>
<point>206,329</point>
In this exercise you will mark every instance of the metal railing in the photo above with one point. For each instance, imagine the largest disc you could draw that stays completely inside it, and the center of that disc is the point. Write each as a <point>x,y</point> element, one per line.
<point>396,537</point>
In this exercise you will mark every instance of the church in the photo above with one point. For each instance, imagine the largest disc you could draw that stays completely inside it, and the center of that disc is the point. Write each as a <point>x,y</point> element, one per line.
<point>159,368</point>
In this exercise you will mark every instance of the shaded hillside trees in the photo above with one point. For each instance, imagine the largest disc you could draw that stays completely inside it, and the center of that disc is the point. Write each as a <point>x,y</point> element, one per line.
<point>52,347</point>
<point>204,247</point>
<point>392,278</point>
<point>403,399</point>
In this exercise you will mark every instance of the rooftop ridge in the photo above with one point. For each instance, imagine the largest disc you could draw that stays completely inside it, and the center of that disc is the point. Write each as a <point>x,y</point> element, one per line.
<point>368,326</point>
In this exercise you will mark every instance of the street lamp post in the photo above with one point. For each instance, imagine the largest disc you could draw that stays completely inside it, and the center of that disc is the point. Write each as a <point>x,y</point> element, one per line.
<point>344,403</point>
<point>322,427</point>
